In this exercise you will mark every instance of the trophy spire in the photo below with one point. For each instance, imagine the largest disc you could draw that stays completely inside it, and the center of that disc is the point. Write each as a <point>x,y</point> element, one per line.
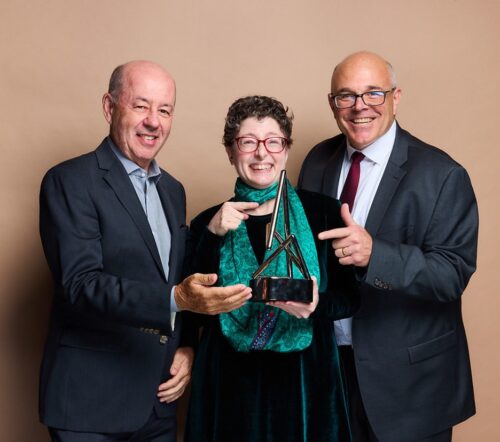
<point>282,288</point>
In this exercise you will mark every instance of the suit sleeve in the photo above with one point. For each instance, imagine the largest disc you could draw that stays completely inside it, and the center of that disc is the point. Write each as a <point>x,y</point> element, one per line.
<point>439,268</point>
<point>72,233</point>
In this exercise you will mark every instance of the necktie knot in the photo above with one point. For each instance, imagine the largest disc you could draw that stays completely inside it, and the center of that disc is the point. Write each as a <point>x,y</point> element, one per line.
<point>351,183</point>
<point>356,158</point>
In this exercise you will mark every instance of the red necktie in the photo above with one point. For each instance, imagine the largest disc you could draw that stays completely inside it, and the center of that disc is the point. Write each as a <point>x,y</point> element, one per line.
<point>351,183</point>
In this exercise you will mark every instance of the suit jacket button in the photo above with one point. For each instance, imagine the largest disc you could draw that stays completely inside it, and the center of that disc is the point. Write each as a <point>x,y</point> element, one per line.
<point>163,339</point>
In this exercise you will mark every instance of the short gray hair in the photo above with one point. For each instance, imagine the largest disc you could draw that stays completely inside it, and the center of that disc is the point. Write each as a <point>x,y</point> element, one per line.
<point>392,74</point>
<point>116,82</point>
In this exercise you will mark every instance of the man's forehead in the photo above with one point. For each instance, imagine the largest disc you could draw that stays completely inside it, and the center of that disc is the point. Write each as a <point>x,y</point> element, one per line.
<point>367,75</point>
<point>149,89</point>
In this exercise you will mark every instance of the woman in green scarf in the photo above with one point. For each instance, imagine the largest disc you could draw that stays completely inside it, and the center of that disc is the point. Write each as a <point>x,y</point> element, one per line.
<point>265,372</point>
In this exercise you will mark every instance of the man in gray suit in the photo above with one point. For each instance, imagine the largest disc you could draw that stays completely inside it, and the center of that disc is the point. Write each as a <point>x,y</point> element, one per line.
<point>410,234</point>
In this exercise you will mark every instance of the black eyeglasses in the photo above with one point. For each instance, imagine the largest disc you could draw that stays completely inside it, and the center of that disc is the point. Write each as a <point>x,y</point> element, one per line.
<point>370,98</point>
<point>251,144</point>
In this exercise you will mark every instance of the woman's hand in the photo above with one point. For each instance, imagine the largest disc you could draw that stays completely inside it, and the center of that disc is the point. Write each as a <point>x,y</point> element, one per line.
<point>229,217</point>
<point>299,309</point>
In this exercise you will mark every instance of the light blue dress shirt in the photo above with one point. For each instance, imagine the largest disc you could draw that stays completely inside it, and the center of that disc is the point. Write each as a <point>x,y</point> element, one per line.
<point>145,187</point>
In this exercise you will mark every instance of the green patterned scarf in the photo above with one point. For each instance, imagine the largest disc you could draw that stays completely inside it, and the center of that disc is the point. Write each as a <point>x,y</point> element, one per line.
<point>238,262</point>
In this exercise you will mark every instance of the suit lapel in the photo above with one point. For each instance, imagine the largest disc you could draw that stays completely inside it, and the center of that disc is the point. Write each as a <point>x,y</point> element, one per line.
<point>119,181</point>
<point>393,175</point>
<point>332,171</point>
<point>170,212</point>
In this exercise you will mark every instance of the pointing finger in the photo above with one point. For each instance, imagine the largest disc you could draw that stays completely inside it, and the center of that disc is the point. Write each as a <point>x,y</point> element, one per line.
<point>346,215</point>
<point>241,206</point>
<point>341,232</point>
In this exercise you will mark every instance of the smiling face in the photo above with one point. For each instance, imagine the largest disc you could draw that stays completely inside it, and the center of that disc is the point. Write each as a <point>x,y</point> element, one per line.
<point>358,73</point>
<point>140,117</point>
<point>259,169</point>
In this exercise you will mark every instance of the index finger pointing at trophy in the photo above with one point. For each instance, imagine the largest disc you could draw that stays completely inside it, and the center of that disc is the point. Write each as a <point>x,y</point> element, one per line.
<point>243,206</point>
<point>229,216</point>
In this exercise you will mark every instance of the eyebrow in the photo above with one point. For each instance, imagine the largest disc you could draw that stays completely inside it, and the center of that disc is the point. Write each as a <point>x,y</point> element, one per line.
<point>368,89</point>
<point>268,134</point>
<point>147,101</point>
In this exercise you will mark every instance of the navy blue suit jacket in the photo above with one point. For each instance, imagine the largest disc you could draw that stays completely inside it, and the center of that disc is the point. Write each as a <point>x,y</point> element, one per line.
<point>103,359</point>
<point>408,336</point>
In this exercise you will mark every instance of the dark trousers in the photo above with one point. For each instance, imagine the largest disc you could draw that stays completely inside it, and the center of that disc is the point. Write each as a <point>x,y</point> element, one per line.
<point>360,426</point>
<point>155,430</point>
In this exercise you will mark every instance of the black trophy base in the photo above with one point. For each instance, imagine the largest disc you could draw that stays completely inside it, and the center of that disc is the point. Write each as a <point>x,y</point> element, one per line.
<point>281,289</point>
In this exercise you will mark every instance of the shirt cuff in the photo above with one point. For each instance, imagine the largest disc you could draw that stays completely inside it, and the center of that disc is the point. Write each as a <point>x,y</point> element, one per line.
<point>173,305</point>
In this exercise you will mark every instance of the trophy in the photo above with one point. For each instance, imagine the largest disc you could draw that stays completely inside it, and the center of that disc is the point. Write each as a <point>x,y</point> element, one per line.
<point>282,288</point>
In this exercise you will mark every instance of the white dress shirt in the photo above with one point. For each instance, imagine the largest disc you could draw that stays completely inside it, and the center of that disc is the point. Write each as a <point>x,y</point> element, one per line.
<point>371,170</point>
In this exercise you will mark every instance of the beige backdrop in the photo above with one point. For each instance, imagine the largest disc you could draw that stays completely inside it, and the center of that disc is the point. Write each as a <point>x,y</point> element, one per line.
<point>56,57</point>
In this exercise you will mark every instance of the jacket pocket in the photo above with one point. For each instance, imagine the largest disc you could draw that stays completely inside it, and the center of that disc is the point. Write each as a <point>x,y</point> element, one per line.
<point>433,347</point>
<point>92,340</point>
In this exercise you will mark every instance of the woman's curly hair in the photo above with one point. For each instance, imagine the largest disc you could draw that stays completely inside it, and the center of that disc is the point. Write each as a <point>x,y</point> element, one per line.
<point>257,106</point>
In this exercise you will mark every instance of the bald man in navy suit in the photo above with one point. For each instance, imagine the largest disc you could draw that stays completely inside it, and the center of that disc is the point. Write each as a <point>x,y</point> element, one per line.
<point>411,237</point>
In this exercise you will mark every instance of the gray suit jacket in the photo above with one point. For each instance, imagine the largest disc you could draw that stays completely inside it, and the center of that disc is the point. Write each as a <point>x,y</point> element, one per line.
<point>103,359</point>
<point>409,340</point>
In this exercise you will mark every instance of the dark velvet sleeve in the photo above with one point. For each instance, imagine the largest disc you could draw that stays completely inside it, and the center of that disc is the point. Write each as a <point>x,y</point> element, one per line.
<point>203,247</point>
<point>337,298</point>
<point>202,256</point>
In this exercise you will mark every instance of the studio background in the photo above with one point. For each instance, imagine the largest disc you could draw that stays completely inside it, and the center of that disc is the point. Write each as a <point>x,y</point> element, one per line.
<point>56,58</point>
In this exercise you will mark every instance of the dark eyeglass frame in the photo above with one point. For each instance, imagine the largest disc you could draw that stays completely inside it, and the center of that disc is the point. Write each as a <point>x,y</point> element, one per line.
<point>333,98</point>
<point>284,144</point>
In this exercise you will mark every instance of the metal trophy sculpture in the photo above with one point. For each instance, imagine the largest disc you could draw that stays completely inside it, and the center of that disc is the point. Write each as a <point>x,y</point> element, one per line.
<point>282,288</point>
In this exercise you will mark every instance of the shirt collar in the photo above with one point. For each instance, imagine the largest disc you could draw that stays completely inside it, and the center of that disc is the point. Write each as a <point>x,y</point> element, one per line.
<point>380,149</point>
<point>133,169</point>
